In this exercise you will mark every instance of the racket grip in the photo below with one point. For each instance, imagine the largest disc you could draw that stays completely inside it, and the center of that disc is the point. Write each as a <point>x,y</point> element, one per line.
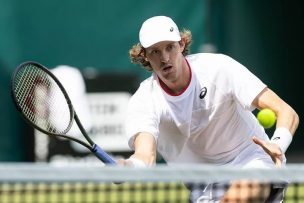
<point>102,155</point>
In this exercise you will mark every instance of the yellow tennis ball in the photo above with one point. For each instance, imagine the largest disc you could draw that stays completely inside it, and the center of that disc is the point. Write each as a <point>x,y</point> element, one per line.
<point>266,118</point>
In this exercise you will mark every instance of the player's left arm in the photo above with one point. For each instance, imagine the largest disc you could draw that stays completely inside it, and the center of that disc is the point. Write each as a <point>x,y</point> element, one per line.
<point>286,115</point>
<point>287,123</point>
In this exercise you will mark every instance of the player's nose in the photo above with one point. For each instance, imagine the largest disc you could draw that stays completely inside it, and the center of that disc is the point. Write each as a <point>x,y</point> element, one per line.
<point>164,57</point>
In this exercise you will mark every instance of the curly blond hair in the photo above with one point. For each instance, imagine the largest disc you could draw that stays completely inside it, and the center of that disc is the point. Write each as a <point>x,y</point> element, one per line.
<point>137,52</point>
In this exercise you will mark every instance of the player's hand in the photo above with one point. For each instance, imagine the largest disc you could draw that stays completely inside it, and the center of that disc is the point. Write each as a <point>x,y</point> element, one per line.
<point>272,149</point>
<point>124,162</point>
<point>132,162</point>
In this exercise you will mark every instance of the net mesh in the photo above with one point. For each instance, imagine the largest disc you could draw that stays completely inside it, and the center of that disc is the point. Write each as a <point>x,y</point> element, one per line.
<point>48,184</point>
<point>41,99</point>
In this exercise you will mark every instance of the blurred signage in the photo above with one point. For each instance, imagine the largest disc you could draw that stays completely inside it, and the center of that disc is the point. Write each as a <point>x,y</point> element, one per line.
<point>105,126</point>
<point>108,111</point>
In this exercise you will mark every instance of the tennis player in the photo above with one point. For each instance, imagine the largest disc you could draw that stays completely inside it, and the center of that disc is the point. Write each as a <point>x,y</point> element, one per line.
<point>198,109</point>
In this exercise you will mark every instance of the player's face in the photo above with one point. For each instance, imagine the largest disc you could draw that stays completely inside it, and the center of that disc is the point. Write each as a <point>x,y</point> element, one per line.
<point>166,60</point>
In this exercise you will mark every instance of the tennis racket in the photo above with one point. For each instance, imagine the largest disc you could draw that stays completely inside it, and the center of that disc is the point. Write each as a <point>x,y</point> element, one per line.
<point>37,93</point>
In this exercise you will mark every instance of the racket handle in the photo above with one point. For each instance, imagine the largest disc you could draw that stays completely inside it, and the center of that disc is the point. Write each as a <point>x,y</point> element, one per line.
<point>102,155</point>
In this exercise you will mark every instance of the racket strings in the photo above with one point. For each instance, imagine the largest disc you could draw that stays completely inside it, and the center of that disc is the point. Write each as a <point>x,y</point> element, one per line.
<point>41,100</point>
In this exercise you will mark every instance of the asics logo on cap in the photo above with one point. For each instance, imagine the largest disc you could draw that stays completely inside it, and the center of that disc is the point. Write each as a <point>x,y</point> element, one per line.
<point>157,29</point>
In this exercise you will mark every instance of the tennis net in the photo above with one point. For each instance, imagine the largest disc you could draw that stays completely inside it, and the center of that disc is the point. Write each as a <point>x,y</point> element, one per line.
<point>43,183</point>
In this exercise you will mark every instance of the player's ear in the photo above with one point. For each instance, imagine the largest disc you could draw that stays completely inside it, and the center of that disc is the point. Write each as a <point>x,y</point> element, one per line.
<point>143,54</point>
<point>182,45</point>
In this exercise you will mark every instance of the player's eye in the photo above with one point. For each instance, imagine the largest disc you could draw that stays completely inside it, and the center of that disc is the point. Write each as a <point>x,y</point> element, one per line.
<point>170,47</point>
<point>155,52</point>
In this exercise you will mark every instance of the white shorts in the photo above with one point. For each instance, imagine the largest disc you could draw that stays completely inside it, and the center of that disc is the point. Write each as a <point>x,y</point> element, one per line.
<point>213,193</point>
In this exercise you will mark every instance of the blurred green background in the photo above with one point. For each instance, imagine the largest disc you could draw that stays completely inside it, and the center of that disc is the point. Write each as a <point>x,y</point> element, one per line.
<point>265,36</point>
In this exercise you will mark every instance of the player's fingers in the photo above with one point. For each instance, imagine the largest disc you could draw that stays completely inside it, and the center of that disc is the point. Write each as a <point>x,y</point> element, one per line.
<point>278,162</point>
<point>124,162</point>
<point>274,152</point>
<point>264,145</point>
<point>258,141</point>
<point>120,162</point>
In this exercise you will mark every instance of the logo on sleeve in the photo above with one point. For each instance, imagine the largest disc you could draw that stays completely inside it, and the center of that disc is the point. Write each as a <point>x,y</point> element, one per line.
<point>276,138</point>
<point>203,93</point>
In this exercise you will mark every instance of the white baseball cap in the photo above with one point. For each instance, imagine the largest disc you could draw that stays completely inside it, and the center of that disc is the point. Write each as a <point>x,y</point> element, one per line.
<point>157,29</point>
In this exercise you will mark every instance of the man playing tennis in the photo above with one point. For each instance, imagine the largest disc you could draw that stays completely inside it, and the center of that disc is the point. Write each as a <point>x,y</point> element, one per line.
<point>198,109</point>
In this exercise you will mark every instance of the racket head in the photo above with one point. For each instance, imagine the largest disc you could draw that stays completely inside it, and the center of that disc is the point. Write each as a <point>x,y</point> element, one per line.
<point>36,93</point>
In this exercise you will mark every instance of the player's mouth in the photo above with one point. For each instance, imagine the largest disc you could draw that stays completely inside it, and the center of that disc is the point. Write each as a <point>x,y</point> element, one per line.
<point>167,68</point>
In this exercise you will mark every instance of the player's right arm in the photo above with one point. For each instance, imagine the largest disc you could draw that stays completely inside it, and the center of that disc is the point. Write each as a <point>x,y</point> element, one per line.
<point>145,151</point>
<point>145,148</point>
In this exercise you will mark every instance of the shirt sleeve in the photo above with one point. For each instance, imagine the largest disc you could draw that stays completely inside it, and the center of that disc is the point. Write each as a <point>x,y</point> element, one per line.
<point>244,85</point>
<point>141,116</point>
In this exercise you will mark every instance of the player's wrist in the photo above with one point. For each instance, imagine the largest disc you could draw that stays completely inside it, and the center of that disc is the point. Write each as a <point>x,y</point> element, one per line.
<point>137,163</point>
<point>282,137</point>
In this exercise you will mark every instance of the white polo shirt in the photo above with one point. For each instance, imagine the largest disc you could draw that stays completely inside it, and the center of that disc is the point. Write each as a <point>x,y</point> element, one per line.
<point>211,122</point>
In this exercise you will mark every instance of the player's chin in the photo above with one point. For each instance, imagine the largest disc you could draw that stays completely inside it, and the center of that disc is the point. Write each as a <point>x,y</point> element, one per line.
<point>169,76</point>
